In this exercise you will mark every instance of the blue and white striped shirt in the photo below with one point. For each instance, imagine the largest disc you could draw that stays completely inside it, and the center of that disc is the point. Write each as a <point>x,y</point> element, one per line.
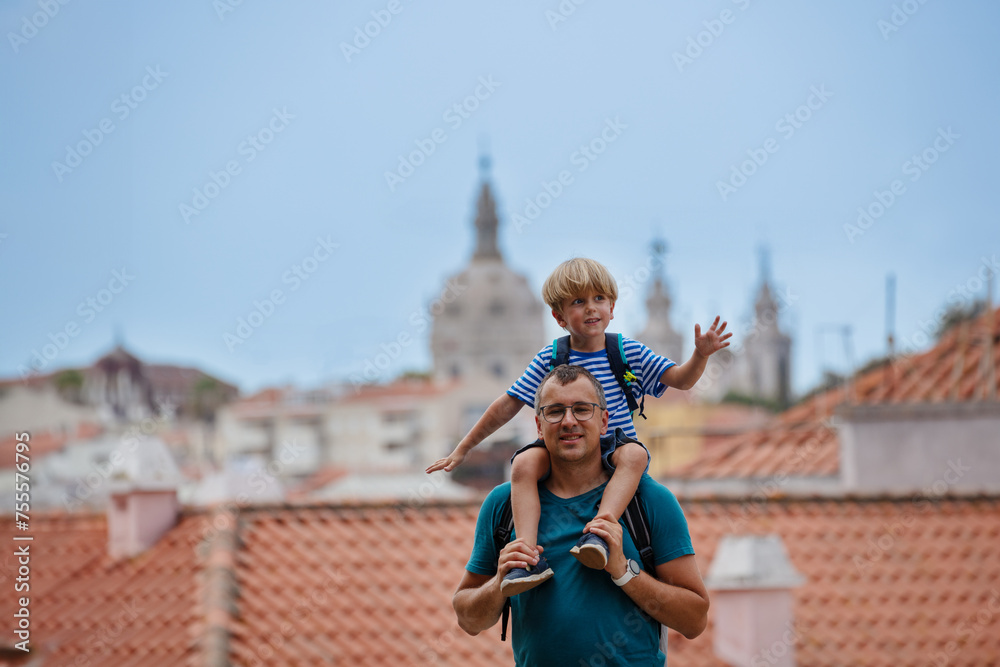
<point>647,368</point>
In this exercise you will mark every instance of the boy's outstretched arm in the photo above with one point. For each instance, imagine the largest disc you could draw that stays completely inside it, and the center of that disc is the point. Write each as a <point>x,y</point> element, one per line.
<point>705,345</point>
<point>499,413</point>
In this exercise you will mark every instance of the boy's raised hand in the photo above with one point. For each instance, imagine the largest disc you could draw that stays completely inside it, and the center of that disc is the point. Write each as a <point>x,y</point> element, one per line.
<point>448,463</point>
<point>712,340</point>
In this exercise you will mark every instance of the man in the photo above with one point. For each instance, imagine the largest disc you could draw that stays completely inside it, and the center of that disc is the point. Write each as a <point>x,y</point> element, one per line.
<point>583,616</point>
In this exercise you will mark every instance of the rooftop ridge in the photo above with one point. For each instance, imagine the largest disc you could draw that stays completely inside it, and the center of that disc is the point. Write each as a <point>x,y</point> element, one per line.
<point>244,513</point>
<point>856,498</point>
<point>219,587</point>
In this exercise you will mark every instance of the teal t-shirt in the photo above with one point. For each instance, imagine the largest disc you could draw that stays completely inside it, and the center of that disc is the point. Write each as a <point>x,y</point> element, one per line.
<point>579,617</point>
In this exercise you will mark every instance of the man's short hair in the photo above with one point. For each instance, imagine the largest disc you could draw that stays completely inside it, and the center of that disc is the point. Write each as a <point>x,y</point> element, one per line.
<point>564,375</point>
<point>576,276</point>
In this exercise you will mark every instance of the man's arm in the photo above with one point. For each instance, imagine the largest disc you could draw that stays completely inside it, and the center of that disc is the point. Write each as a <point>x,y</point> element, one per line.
<point>478,601</point>
<point>676,596</point>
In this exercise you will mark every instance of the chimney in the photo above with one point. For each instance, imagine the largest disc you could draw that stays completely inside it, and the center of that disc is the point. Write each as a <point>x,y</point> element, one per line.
<point>751,580</point>
<point>143,501</point>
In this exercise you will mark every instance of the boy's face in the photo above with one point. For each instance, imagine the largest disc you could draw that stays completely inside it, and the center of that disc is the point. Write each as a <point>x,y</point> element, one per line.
<point>586,315</point>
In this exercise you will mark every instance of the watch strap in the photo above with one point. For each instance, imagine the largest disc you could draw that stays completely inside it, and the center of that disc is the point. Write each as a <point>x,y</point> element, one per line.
<point>629,575</point>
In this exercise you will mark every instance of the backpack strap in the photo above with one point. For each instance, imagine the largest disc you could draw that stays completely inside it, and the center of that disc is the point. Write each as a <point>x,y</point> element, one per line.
<point>614,347</point>
<point>501,536</point>
<point>560,352</point>
<point>636,521</point>
<point>638,527</point>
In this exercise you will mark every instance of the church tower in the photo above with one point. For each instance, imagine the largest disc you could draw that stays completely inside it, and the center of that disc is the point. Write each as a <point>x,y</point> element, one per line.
<point>494,326</point>
<point>659,334</point>
<point>764,367</point>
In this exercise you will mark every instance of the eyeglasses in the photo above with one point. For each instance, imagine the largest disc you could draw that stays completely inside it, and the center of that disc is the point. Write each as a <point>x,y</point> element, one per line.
<point>554,414</point>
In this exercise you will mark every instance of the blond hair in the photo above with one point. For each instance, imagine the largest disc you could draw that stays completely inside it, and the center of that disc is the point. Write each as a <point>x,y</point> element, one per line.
<point>575,277</point>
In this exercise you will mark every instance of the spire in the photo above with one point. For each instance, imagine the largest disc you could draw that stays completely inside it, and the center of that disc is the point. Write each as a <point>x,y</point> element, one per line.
<point>765,302</point>
<point>658,301</point>
<point>486,215</point>
<point>659,334</point>
<point>765,264</point>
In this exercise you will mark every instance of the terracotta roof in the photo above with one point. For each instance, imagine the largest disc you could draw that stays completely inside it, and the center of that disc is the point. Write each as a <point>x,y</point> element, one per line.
<point>889,582</point>
<point>800,441</point>
<point>137,612</point>
<point>402,388</point>
<point>316,481</point>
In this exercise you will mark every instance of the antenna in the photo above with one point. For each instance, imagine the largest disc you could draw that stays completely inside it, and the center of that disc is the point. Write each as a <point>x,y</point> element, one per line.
<point>890,332</point>
<point>990,392</point>
<point>846,336</point>
<point>890,314</point>
<point>847,333</point>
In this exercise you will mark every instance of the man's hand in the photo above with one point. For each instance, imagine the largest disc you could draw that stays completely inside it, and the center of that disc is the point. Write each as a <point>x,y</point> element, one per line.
<point>448,463</point>
<point>674,594</point>
<point>479,600</point>
<point>516,554</point>
<point>712,340</point>
<point>610,532</point>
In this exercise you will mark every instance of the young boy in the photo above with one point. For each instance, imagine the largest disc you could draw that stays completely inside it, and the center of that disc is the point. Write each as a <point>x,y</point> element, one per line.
<point>582,294</point>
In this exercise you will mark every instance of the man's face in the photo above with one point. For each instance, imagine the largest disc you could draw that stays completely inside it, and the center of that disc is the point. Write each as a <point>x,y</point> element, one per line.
<point>571,439</point>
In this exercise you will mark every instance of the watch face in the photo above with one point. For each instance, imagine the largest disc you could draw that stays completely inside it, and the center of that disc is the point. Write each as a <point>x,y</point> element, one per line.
<point>633,567</point>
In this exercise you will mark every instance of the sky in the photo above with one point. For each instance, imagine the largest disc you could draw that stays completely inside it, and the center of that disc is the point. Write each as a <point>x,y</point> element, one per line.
<point>311,169</point>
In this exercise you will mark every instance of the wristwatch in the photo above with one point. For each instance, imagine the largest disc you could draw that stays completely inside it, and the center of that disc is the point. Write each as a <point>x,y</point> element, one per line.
<point>631,572</point>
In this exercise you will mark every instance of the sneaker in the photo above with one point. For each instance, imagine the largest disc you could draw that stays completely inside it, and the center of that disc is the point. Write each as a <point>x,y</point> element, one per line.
<point>519,579</point>
<point>592,551</point>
